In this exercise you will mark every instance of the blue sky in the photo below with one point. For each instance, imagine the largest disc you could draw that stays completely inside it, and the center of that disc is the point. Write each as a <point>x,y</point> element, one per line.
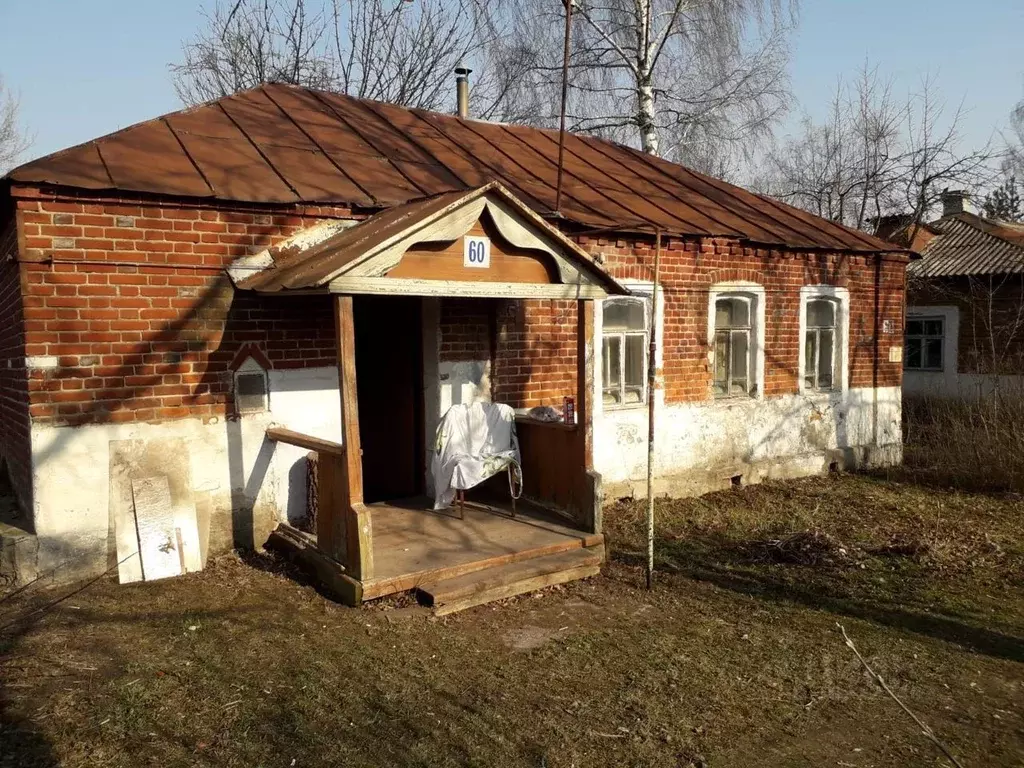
<point>84,68</point>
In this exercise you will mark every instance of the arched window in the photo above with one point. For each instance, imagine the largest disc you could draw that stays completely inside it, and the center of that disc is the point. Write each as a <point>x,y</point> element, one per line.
<point>734,345</point>
<point>824,338</point>
<point>820,348</point>
<point>624,351</point>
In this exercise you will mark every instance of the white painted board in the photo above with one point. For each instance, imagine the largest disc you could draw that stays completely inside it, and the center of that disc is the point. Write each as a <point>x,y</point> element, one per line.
<point>158,536</point>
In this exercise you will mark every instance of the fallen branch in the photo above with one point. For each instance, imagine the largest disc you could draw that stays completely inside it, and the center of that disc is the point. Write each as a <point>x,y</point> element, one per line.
<point>878,678</point>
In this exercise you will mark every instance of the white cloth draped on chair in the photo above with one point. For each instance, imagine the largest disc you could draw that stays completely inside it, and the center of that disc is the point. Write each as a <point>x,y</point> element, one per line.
<point>474,442</point>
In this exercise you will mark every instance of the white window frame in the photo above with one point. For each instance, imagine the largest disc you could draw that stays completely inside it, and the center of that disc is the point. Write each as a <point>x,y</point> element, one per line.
<point>248,368</point>
<point>754,295</point>
<point>840,297</point>
<point>643,293</point>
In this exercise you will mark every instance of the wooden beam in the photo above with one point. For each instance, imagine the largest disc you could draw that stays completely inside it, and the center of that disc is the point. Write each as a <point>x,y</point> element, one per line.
<point>585,378</point>
<point>282,435</point>
<point>358,554</point>
<point>344,323</point>
<point>407,286</point>
<point>307,552</point>
<point>590,497</point>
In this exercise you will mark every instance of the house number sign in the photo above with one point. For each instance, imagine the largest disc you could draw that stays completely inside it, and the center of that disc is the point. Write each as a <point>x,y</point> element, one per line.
<point>476,252</point>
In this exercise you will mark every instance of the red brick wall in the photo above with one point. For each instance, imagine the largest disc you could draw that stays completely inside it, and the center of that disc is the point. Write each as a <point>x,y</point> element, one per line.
<point>138,311</point>
<point>15,437</point>
<point>689,269</point>
<point>467,326</point>
<point>145,324</point>
<point>536,359</point>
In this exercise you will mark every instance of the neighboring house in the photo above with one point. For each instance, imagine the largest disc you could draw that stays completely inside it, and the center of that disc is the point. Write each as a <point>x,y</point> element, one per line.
<point>778,344</point>
<point>965,304</point>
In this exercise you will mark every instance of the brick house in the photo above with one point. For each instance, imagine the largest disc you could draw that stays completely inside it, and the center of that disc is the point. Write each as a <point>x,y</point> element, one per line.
<point>165,283</point>
<point>965,303</point>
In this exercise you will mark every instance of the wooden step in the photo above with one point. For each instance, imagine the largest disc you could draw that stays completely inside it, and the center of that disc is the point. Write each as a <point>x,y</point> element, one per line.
<point>471,589</point>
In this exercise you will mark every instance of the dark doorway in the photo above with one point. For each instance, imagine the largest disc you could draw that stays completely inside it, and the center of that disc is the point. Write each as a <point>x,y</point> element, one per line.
<point>389,382</point>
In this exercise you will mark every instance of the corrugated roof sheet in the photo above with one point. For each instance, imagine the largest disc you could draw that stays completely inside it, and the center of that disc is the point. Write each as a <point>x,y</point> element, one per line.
<point>969,245</point>
<point>284,144</point>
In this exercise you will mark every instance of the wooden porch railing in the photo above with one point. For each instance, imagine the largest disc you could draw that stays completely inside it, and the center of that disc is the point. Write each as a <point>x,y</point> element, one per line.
<point>343,530</point>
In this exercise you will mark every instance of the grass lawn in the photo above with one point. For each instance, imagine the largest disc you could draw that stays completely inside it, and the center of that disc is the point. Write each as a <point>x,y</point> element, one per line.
<point>734,658</point>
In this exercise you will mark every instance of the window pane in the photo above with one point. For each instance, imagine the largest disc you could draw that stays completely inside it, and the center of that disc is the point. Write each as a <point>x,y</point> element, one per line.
<point>721,362</point>
<point>933,327</point>
<point>933,353</point>
<point>732,313</point>
<point>913,353</point>
<point>635,353</point>
<point>810,345</point>
<point>826,359</point>
<point>821,313</point>
<point>739,356</point>
<point>633,395</point>
<point>610,361</point>
<point>624,315</point>
<point>914,327</point>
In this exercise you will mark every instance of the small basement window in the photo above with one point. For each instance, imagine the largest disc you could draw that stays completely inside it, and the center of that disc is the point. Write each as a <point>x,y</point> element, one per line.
<point>252,391</point>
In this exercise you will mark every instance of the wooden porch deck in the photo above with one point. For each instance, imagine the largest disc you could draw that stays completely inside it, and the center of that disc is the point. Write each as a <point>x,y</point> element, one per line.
<point>414,545</point>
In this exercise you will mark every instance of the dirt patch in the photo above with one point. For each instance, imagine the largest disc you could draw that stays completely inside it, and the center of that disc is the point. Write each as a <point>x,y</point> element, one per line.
<point>529,637</point>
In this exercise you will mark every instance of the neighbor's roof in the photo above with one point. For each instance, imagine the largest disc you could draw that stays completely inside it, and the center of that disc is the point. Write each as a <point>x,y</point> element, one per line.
<point>281,144</point>
<point>967,244</point>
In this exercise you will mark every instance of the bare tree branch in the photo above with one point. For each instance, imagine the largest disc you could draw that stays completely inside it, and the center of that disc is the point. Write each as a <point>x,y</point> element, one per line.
<point>387,50</point>
<point>13,139</point>
<point>874,155</point>
<point>698,81</point>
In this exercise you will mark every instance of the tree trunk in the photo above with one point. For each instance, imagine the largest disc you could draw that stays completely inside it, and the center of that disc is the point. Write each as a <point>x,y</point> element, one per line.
<point>645,117</point>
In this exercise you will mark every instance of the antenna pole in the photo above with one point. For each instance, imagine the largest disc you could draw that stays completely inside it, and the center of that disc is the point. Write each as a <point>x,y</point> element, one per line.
<point>651,378</point>
<point>565,98</point>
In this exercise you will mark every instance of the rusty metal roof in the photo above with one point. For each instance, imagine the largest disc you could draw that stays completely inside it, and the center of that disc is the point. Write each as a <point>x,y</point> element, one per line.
<point>310,261</point>
<point>282,144</point>
<point>971,245</point>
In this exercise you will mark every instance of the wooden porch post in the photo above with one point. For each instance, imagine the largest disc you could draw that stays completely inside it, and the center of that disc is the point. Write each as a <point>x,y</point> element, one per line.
<point>590,486</point>
<point>585,377</point>
<point>343,529</point>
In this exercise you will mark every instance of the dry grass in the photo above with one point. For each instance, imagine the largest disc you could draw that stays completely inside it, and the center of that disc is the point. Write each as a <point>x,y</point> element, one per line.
<point>732,660</point>
<point>972,444</point>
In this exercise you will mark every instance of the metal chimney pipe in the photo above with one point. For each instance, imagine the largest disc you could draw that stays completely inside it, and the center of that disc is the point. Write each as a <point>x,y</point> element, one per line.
<point>462,90</point>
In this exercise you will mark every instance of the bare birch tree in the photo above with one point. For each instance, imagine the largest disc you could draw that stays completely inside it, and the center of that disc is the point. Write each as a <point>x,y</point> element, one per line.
<point>1014,163</point>
<point>875,155</point>
<point>694,80</point>
<point>13,139</point>
<point>387,50</point>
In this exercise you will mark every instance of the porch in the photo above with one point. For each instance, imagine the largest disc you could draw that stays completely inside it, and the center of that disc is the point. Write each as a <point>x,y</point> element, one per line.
<point>376,532</point>
<point>450,561</point>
